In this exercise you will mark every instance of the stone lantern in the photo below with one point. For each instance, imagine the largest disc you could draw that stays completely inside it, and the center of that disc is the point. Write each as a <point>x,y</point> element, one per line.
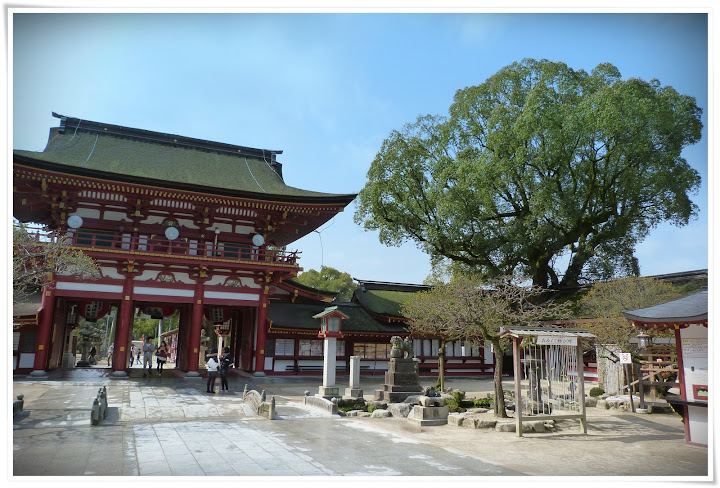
<point>330,331</point>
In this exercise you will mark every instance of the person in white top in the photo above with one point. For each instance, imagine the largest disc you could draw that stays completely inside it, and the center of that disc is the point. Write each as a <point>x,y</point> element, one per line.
<point>212,367</point>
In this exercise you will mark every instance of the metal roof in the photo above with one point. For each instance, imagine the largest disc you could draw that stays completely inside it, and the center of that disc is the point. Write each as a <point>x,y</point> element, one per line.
<point>690,309</point>
<point>521,331</point>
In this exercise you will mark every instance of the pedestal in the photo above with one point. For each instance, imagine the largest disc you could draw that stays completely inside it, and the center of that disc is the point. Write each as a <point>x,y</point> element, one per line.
<point>401,381</point>
<point>68,360</point>
<point>429,415</point>
<point>328,392</point>
<point>353,393</point>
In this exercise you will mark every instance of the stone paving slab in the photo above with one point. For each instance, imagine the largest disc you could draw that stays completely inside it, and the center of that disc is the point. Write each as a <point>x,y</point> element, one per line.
<point>175,429</point>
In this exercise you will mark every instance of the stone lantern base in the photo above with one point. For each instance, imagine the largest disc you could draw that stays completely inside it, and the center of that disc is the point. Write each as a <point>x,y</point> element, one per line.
<point>329,392</point>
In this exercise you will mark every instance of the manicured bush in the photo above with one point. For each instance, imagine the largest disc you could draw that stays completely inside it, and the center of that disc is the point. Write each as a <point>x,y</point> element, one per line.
<point>346,405</point>
<point>596,391</point>
<point>453,406</point>
<point>483,403</point>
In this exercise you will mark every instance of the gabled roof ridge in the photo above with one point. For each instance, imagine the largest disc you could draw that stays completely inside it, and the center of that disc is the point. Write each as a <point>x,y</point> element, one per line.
<point>74,123</point>
<point>383,285</point>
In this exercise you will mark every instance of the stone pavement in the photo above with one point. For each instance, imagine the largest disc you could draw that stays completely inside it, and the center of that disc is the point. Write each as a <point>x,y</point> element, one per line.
<point>170,427</point>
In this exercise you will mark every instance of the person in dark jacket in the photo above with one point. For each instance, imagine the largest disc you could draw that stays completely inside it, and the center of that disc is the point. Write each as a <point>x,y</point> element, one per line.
<point>226,363</point>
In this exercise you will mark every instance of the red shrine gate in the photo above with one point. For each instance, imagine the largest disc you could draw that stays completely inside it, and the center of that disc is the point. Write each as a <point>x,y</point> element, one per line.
<point>172,222</point>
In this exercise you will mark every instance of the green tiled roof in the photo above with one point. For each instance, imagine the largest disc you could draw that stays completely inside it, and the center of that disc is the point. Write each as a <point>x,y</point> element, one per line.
<point>166,158</point>
<point>300,316</point>
<point>384,302</point>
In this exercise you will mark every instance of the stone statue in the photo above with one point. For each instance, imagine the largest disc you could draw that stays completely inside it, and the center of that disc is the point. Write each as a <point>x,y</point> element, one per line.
<point>401,348</point>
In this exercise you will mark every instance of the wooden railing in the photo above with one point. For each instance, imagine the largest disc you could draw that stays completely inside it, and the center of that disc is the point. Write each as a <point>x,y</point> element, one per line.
<point>659,360</point>
<point>101,241</point>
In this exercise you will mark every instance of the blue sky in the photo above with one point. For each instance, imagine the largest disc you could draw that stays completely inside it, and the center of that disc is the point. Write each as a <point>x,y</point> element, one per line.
<point>328,88</point>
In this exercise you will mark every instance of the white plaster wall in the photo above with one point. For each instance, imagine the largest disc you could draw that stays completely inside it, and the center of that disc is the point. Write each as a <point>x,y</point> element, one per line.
<point>183,278</point>
<point>108,272</point>
<point>90,213</point>
<point>698,425</point>
<point>282,364</point>
<point>154,219</point>
<point>249,282</point>
<point>147,274</point>
<point>244,229</point>
<point>116,216</point>
<point>210,231</point>
<point>217,280</point>
<point>187,223</point>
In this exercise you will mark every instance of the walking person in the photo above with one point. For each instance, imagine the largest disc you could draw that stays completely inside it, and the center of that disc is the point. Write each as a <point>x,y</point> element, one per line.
<point>162,356</point>
<point>111,349</point>
<point>132,355</point>
<point>212,367</point>
<point>147,350</point>
<point>226,363</point>
<point>139,351</point>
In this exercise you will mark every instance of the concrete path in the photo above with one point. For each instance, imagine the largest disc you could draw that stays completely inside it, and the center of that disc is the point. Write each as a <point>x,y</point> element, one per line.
<point>170,426</point>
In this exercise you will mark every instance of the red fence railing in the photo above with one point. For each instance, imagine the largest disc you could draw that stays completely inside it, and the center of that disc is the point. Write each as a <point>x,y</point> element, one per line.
<point>107,241</point>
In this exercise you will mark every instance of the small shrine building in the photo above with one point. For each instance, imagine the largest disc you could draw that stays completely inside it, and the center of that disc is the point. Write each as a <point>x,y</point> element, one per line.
<point>688,318</point>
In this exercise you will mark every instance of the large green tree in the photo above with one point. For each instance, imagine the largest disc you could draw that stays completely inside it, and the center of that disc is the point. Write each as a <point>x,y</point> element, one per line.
<point>540,170</point>
<point>469,309</point>
<point>329,279</point>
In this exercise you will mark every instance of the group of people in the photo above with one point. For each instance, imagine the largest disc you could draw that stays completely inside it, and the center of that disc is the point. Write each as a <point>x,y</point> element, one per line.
<point>146,350</point>
<point>214,365</point>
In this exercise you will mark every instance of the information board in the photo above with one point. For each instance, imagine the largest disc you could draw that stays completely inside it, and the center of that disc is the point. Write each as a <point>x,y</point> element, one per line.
<point>557,341</point>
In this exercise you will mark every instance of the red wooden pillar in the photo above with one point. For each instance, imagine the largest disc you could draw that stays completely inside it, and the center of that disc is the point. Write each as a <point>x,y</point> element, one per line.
<point>262,312</point>
<point>44,329</point>
<point>124,325</point>
<point>195,330</point>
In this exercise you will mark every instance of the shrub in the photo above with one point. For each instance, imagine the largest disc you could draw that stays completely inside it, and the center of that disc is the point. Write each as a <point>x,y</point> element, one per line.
<point>483,403</point>
<point>370,408</point>
<point>453,406</point>
<point>596,391</point>
<point>346,405</point>
<point>347,408</point>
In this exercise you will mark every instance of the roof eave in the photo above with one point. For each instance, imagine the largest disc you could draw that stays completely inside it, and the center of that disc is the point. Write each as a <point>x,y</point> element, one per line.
<point>339,199</point>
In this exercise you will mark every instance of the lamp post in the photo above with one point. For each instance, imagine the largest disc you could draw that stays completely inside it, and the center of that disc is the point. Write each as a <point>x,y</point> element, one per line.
<point>222,330</point>
<point>330,331</point>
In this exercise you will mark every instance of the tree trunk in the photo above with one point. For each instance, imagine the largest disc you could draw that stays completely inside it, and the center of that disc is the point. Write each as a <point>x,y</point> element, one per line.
<point>441,365</point>
<point>499,395</point>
